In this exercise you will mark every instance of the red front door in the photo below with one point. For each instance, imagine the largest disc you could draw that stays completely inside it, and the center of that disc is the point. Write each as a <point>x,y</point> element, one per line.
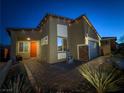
<point>33,49</point>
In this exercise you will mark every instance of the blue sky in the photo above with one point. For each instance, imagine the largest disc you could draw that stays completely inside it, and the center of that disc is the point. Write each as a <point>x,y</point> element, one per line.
<point>107,16</point>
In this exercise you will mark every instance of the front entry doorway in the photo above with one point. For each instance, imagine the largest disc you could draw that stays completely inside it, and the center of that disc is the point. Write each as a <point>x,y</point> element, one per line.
<point>33,49</point>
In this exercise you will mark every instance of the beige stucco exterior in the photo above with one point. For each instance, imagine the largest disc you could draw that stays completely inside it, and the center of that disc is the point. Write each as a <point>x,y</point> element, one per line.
<point>53,54</point>
<point>21,36</point>
<point>108,45</point>
<point>78,32</point>
<point>27,54</point>
<point>76,35</point>
<point>106,49</point>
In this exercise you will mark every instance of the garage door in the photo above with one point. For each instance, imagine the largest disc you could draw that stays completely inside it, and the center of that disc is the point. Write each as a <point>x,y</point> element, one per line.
<point>93,49</point>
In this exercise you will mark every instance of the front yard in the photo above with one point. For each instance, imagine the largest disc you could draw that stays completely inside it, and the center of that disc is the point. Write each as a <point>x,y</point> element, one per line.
<point>59,77</point>
<point>63,76</point>
<point>16,81</point>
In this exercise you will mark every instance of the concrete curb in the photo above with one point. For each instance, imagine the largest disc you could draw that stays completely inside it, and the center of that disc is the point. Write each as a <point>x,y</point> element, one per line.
<point>31,78</point>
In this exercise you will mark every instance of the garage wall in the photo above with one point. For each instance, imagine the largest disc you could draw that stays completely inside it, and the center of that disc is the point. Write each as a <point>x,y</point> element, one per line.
<point>90,30</point>
<point>91,35</point>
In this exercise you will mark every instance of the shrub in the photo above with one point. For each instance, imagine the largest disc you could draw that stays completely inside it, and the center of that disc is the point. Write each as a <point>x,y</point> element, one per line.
<point>103,79</point>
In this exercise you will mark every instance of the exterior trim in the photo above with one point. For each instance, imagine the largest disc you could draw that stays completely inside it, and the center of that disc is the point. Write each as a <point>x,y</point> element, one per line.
<point>92,39</point>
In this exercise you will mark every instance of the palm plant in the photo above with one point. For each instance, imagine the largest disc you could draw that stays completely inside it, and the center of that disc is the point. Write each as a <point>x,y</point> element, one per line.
<point>104,80</point>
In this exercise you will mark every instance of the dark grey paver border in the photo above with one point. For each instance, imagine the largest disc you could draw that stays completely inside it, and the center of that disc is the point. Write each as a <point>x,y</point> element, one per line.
<point>30,76</point>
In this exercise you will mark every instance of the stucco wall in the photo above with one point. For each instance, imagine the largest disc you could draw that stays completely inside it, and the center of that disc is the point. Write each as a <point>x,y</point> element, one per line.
<point>45,48</point>
<point>13,45</point>
<point>90,30</point>
<point>76,35</point>
<point>53,38</point>
<point>21,35</point>
<point>106,47</point>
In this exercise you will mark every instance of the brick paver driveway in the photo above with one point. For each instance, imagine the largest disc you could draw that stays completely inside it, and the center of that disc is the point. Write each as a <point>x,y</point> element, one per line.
<point>59,76</point>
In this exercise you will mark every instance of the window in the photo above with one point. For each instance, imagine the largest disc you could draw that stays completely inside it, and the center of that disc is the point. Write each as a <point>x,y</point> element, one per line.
<point>23,46</point>
<point>61,44</point>
<point>62,30</point>
<point>44,40</point>
<point>61,40</point>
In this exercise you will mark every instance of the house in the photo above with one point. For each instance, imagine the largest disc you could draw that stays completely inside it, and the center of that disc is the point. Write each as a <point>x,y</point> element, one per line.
<point>4,53</point>
<point>51,39</point>
<point>108,44</point>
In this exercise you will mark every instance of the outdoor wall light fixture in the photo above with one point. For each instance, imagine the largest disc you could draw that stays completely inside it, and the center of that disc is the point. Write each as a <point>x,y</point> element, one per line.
<point>28,38</point>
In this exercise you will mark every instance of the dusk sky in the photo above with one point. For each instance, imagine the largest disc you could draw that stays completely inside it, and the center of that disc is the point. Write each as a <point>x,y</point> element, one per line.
<point>107,16</point>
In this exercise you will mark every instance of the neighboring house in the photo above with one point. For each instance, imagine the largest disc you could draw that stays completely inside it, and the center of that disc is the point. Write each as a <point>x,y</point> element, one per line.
<point>120,48</point>
<point>55,35</point>
<point>4,53</point>
<point>108,44</point>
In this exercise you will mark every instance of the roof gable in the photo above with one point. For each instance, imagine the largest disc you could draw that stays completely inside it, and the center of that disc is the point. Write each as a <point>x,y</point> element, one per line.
<point>46,17</point>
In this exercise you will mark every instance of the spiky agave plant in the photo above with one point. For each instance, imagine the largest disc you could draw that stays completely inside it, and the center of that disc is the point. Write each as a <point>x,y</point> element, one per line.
<point>104,80</point>
<point>18,84</point>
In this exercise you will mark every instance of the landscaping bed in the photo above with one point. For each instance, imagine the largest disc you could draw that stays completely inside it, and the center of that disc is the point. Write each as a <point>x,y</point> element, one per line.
<point>17,81</point>
<point>57,78</point>
<point>116,62</point>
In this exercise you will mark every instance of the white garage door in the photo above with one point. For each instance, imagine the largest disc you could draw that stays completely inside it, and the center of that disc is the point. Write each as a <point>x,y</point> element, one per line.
<point>93,49</point>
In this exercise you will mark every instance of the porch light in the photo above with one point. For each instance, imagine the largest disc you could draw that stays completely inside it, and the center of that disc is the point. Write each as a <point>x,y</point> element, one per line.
<point>28,38</point>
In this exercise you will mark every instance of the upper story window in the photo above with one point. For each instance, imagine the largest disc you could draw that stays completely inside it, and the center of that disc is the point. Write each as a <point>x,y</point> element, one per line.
<point>23,46</point>
<point>62,30</point>
<point>61,38</point>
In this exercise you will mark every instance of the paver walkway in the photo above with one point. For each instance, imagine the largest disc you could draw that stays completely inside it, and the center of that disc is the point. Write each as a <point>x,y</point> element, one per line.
<point>49,76</point>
